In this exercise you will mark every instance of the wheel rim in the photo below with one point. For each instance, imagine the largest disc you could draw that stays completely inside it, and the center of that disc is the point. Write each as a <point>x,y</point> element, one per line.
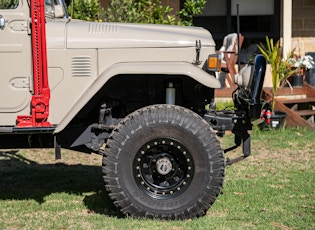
<point>163,168</point>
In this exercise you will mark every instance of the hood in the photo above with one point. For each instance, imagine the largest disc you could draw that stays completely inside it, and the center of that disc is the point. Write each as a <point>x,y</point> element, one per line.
<point>81,34</point>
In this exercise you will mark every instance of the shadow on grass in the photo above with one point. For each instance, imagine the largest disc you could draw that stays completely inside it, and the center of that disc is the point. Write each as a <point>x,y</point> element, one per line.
<point>23,179</point>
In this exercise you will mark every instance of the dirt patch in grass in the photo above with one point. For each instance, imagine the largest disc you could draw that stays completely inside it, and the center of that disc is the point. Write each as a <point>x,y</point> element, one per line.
<point>294,147</point>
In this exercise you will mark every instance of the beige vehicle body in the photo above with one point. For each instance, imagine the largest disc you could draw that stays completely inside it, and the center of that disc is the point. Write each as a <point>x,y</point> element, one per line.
<point>84,56</point>
<point>142,96</point>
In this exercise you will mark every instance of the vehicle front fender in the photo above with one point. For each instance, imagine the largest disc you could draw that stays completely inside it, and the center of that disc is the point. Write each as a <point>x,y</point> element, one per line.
<point>169,68</point>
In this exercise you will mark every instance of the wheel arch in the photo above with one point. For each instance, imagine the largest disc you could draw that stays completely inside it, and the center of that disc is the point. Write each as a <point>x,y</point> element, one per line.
<point>168,68</point>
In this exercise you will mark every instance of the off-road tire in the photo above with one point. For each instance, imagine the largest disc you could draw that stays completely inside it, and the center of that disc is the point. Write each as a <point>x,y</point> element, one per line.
<point>163,161</point>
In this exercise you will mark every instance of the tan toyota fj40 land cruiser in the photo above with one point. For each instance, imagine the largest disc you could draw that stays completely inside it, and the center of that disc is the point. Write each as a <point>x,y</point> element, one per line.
<point>138,94</point>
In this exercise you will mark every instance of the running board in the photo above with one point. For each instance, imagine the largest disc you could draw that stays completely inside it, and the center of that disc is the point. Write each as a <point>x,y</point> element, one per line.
<point>26,130</point>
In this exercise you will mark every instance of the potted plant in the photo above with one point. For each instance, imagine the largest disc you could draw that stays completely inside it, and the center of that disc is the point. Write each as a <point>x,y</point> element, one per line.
<point>280,71</point>
<point>280,68</point>
<point>300,64</point>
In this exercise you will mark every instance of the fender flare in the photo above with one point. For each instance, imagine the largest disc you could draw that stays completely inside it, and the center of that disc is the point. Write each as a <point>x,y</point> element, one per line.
<point>171,68</point>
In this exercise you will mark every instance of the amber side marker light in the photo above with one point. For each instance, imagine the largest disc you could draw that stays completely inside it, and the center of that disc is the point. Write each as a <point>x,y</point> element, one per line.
<point>214,63</point>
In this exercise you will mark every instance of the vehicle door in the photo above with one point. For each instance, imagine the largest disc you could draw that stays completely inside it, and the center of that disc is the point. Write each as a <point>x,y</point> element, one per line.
<point>15,56</point>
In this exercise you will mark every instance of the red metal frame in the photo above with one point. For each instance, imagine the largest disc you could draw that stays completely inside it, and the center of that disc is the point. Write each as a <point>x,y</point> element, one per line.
<point>41,95</point>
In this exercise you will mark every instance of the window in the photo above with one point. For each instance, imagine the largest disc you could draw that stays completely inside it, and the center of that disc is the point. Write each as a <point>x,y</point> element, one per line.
<point>9,4</point>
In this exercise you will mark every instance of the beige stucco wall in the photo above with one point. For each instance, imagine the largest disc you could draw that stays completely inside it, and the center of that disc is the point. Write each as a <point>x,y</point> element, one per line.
<point>303,44</point>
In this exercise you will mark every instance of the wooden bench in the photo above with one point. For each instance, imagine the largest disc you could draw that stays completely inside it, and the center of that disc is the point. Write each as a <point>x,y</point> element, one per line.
<point>298,103</point>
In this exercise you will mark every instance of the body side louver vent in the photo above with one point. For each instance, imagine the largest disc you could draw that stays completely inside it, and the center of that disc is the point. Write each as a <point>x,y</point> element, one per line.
<point>81,66</point>
<point>99,28</point>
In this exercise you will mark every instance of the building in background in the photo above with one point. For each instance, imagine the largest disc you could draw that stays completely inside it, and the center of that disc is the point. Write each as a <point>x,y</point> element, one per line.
<point>257,19</point>
<point>292,21</point>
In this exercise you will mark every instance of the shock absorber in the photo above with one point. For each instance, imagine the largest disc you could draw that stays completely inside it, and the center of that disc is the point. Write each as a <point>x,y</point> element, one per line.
<point>170,94</point>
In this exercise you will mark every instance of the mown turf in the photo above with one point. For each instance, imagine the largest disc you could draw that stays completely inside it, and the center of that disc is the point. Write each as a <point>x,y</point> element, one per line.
<point>272,189</point>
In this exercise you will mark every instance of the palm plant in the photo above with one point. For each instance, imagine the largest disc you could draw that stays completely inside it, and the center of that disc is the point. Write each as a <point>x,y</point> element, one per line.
<point>280,68</point>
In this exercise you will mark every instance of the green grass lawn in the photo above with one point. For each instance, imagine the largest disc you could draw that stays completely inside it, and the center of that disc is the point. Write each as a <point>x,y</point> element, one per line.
<point>272,189</point>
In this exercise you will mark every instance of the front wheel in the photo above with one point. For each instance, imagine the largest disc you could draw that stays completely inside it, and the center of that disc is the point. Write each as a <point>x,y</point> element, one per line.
<point>163,161</point>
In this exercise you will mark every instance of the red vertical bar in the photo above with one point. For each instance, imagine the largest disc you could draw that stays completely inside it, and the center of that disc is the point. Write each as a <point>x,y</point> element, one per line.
<point>43,46</point>
<point>40,99</point>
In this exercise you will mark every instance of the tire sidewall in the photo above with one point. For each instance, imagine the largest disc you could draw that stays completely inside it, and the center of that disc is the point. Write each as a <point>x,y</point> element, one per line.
<point>203,161</point>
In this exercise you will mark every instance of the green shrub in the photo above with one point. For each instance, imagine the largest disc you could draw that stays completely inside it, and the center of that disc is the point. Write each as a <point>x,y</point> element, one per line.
<point>89,10</point>
<point>9,4</point>
<point>139,11</point>
<point>152,11</point>
<point>136,11</point>
<point>191,8</point>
